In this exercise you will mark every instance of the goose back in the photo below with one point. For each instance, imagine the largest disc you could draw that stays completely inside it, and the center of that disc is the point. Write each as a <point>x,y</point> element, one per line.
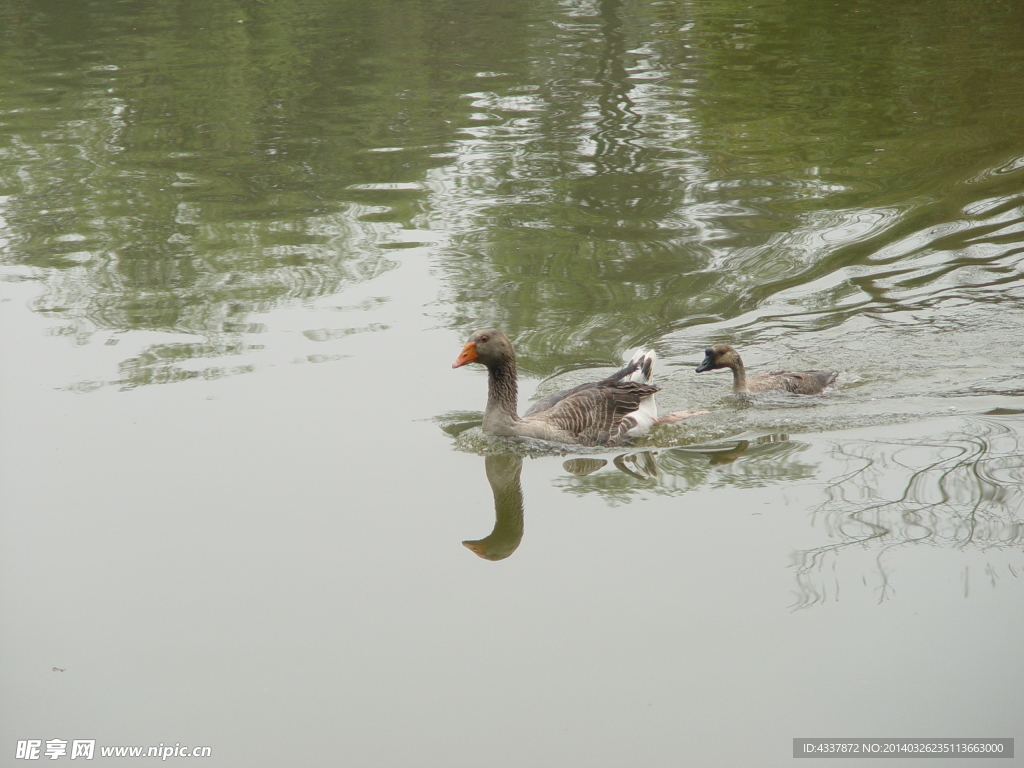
<point>797,382</point>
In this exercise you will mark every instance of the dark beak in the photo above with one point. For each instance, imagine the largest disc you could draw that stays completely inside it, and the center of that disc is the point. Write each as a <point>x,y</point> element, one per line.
<point>707,364</point>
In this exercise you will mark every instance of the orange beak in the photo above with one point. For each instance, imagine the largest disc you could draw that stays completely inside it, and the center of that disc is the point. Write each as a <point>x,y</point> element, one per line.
<point>467,355</point>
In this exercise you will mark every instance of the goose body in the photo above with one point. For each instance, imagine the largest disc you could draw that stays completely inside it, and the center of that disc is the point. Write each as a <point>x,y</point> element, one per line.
<point>605,412</point>
<point>798,382</point>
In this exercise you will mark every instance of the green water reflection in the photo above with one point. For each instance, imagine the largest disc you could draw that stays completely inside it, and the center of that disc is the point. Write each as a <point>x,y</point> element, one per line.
<point>744,463</point>
<point>614,171</point>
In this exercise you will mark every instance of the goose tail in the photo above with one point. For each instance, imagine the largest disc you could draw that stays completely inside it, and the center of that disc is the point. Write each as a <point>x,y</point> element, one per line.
<point>641,366</point>
<point>640,369</point>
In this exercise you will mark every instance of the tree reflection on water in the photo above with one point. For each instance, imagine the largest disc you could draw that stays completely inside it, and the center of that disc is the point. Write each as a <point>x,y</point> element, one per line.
<point>964,491</point>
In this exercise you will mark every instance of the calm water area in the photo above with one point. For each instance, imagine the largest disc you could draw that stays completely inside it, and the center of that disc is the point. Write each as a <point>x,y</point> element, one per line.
<point>246,503</point>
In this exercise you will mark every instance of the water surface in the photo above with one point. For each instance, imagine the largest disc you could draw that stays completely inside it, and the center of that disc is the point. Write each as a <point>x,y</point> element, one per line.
<point>246,505</point>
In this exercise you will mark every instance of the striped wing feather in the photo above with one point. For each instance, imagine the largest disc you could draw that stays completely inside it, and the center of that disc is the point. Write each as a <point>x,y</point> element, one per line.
<point>596,413</point>
<point>642,362</point>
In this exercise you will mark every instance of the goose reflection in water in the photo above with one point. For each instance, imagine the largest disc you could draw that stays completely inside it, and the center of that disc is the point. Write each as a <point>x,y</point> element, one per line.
<point>504,471</point>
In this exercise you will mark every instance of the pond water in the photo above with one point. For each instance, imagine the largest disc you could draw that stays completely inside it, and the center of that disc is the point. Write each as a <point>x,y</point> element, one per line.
<point>246,502</point>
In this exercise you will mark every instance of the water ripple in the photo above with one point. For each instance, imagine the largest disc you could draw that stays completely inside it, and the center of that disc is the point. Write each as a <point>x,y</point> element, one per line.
<point>964,491</point>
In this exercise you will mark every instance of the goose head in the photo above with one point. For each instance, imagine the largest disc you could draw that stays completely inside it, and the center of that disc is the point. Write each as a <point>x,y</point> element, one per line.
<point>719,356</point>
<point>489,346</point>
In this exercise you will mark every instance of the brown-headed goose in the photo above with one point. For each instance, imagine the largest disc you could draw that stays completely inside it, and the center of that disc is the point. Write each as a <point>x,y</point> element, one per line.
<point>605,412</point>
<point>799,382</point>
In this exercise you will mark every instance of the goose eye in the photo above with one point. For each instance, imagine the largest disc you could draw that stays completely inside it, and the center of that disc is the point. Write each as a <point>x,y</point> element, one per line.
<point>484,337</point>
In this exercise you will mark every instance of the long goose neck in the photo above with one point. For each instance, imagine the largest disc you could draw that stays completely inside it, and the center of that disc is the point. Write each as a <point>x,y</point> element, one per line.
<point>739,376</point>
<point>502,392</point>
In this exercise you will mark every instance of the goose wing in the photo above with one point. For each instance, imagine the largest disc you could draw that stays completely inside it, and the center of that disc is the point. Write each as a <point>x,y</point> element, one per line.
<point>640,369</point>
<point>804,382</point>
<point>595,414</point>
